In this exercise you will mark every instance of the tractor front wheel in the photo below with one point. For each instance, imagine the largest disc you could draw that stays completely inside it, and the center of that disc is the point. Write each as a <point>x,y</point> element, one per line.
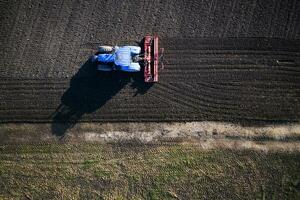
<point>105,49</point>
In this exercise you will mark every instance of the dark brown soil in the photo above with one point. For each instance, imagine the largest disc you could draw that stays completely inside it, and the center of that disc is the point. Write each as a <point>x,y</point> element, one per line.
<point>231,61</point>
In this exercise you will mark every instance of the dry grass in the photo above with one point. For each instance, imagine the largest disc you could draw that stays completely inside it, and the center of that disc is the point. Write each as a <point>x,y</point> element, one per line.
<point>211,134</point>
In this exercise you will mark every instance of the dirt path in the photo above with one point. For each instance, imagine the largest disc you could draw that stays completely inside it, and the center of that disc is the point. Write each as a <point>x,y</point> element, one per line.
<point>206,135</point>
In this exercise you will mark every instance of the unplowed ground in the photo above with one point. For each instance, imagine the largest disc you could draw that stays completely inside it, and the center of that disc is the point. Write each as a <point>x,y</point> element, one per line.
<point>209,73</point>
<point>89,171</point>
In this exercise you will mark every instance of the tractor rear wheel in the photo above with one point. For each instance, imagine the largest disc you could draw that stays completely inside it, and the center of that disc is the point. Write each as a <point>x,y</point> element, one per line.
<point>137,58</point>
<point>105,67</point>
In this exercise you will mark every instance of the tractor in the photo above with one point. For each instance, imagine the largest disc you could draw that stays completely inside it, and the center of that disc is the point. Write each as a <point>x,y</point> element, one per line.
<point>131,58</point>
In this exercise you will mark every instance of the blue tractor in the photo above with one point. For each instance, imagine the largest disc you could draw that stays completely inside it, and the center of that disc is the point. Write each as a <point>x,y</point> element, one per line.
<point>130,58</point>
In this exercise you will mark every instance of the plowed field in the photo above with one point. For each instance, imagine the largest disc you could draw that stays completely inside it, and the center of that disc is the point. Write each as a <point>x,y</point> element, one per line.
<point>226,61</point>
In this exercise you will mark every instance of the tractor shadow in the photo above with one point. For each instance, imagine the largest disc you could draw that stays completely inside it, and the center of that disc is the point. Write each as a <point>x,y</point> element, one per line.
<point>89,90</point>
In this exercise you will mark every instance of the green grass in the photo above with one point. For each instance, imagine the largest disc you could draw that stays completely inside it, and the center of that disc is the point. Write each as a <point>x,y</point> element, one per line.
<point>97,171</point>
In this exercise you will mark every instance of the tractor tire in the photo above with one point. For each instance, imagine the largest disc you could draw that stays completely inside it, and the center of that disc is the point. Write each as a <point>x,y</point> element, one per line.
<point>137,58</point>
<point>104,67</point>
<point>105,49</point>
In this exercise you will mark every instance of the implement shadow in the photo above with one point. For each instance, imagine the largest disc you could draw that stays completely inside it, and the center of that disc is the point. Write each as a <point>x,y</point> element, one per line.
<point>89,90</point>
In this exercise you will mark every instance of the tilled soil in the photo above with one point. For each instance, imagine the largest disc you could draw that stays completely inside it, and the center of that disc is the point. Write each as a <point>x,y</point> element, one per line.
<point>225,61</point>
